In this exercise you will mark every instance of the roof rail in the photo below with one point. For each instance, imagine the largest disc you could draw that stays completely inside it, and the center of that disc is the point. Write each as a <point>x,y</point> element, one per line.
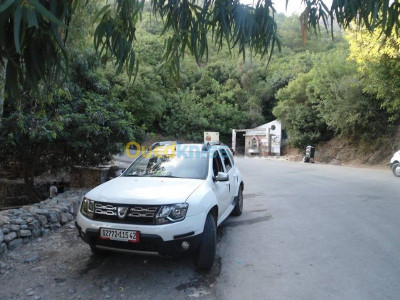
<point>214,143</point>
<point>164,143</point>
<point>207,145</point>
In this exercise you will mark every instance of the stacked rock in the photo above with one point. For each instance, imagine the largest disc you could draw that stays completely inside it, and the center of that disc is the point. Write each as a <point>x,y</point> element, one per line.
<point>19,226</point>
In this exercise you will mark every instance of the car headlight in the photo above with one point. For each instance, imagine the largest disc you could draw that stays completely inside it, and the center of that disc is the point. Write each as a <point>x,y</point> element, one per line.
<point>87,208</point>
<point>171,213</point>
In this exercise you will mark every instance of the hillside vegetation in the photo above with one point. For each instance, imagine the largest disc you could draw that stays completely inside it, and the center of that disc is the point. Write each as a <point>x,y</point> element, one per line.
<point>345,87</point>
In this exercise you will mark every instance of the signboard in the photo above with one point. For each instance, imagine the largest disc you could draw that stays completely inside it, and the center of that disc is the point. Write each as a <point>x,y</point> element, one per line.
<point>211,136</point>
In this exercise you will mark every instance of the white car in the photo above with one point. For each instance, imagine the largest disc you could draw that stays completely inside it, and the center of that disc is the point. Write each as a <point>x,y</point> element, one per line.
<point>395,164</point>
<point>168,201</point>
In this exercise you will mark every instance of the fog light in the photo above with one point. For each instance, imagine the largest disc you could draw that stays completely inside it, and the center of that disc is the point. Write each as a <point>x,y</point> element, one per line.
<point>185,245</point>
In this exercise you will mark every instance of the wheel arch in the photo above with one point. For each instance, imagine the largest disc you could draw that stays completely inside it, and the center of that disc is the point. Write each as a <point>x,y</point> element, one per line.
<point>240,186</point>
<point>214,212</point>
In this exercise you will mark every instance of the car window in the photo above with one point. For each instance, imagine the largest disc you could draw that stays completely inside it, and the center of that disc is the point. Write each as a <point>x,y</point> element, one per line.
<point>231,156</point>
<point>217,163</point>
<point>226,159</point>
<point>177,166</point>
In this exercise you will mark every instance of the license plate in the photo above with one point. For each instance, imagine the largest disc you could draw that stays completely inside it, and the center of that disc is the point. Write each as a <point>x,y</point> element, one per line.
<point>119,235</point>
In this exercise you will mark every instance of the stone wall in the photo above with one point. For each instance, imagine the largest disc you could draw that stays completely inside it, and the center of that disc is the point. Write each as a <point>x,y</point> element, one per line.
<point>10,189</point>
<point>19,226</point>
<point>12,193</point>
<point>88,177</point>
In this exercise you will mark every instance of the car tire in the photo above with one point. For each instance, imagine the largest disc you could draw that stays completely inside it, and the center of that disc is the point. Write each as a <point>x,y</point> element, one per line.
<point>237,211</point>
<point>396,169</point>
<point>205,254</point>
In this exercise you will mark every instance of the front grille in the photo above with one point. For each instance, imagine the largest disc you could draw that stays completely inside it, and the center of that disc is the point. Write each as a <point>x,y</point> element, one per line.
<point>135,214</point>
<point>105,209</point>
<point>140,211</point>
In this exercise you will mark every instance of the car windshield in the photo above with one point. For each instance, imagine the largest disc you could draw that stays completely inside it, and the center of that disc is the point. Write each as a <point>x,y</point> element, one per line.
<point>177,166</point>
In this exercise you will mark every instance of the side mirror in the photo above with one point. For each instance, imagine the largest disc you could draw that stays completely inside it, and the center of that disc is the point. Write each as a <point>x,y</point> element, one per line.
<point>221,177</point>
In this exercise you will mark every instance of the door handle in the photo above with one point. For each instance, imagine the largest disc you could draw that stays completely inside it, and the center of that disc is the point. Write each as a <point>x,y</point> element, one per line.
<point>229,186</point>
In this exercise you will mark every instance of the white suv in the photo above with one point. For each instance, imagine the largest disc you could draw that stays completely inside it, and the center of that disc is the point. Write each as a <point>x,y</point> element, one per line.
<point>169,201</point>
<point>395,164</point>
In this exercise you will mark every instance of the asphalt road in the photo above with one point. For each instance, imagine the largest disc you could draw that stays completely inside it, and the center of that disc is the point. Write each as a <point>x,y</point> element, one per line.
<point>313,231</point>
<point>308,231</point>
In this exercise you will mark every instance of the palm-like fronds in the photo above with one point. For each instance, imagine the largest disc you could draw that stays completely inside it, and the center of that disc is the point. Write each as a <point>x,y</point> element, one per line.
<point>33,32</point>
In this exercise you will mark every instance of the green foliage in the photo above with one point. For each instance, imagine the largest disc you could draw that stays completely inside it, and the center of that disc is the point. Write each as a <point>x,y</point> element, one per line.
<point>330,99</point>
<point>337,93</point>
<point>116,32</point>
<point>145,99</point>
<point>375,14</point>
<point>231,24</point>
<point>243,93</point>
<point>79,123</point>
<point>31,40</point>
<point>33,32</point>
<point>378,62</point>
<point>84,116</point>
<point>298,114</point>
<point>290,34</point>
<point>190,116</point>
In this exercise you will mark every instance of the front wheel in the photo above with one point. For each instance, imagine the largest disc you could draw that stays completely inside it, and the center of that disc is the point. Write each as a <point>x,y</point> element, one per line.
<point>396,169</point>
<point>237,211</point>
<point>205,255</point>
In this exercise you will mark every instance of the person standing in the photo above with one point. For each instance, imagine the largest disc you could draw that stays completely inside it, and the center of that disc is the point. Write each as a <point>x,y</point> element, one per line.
<point>53,190</point>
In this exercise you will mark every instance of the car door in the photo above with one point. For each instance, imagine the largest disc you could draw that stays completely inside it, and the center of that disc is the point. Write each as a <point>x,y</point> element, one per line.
<point>221,188</point>
<point>232,175</point>
<point>236,173</point>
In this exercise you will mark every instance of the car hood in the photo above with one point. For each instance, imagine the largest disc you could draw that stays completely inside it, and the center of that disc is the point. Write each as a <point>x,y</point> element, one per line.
<point>145,190</point>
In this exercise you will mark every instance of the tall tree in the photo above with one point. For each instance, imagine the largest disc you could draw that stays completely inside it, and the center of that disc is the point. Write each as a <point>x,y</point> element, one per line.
<point>33,32</point>
<point>78,123</point>
<point>378,61</point>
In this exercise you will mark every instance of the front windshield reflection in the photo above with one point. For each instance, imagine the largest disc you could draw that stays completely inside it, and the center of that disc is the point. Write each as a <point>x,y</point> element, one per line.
<point>177,166</point>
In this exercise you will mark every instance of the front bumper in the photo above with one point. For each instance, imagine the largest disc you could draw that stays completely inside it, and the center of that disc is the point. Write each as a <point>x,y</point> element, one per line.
<point>163,239</point>
<point>148,242</point>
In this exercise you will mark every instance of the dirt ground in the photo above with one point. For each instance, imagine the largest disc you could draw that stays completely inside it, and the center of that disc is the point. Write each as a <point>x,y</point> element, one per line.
<point>61,266</point>
<point>346,152</point>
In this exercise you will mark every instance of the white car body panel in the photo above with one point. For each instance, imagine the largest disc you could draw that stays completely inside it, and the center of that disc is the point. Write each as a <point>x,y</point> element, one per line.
<point>201,195</point>
<point>145,190</point>
<point>396,157</point>
<point>193,223</point>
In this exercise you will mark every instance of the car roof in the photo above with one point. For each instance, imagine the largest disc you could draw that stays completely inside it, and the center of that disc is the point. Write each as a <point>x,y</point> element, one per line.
<point>162,146</point>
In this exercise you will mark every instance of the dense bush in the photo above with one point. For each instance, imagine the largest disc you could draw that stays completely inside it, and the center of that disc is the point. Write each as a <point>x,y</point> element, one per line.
<point>299,115</point>
<point>79,122</point>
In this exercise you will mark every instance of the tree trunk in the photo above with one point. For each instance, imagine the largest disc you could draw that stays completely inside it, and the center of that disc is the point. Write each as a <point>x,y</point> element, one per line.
<point>3,66</point>
<point>304,23</point>
<point>29,180</point>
